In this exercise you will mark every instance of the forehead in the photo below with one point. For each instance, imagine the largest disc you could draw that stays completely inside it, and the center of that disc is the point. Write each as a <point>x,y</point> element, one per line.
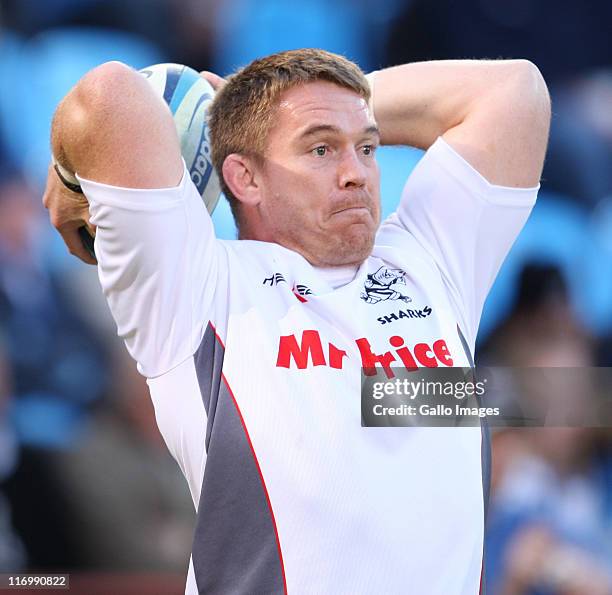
<point>321,102</point>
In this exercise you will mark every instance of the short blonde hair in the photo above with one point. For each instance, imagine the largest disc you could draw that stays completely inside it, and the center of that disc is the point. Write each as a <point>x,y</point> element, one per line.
<point>242,111</point>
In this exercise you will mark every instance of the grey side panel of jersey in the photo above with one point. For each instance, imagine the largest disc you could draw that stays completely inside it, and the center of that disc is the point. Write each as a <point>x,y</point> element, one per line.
<point>485,457</point>
<point>234,547</point>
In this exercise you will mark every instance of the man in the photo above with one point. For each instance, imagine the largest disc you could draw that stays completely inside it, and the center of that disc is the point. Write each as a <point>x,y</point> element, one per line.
<point>253,348</point>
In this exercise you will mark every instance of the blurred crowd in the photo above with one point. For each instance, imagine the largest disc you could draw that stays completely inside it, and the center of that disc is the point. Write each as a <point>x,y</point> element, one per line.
<point>85,481</point>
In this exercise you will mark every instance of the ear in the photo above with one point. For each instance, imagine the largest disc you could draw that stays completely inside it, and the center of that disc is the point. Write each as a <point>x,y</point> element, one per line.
<point>239,173</point>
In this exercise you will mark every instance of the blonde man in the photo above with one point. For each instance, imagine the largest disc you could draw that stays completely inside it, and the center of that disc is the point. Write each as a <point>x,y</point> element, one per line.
<point>253,348</point>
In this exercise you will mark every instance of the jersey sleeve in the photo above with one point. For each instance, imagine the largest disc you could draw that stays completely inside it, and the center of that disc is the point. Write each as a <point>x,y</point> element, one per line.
<point>466,224</point>
<point>157,264</point>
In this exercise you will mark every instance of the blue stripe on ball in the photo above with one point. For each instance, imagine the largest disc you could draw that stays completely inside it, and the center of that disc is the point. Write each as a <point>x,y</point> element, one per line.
<point>185,83</point>
<point>202,99</point>
<point>172,78</point>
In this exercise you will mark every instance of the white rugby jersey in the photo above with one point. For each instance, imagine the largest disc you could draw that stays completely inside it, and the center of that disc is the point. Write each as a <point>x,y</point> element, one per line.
<point>253,361</point>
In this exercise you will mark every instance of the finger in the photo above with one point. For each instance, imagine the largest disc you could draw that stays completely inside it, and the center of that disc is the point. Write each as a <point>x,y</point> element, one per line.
<point>214,79</point>
<point>75,245</point>
<point>87,240</point>
<point>91,228</point>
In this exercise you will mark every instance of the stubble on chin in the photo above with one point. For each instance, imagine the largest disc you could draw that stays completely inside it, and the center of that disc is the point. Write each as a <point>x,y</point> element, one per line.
<point>348,249</point>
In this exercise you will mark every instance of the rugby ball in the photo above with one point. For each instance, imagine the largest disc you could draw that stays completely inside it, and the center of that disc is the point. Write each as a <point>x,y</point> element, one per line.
<point>188,96</point>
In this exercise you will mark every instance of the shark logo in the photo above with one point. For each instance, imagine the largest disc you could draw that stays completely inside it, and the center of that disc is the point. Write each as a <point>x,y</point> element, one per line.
<point>381,286</point>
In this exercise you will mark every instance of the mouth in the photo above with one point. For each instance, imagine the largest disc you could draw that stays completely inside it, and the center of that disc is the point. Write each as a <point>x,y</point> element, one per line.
<point>357,209</point>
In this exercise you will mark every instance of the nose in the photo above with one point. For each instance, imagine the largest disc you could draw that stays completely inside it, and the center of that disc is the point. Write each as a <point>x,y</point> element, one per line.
<point>351,170</point>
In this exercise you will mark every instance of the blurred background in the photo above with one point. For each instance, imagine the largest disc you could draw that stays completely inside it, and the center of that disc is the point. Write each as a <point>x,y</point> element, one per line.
<point>86,484</point>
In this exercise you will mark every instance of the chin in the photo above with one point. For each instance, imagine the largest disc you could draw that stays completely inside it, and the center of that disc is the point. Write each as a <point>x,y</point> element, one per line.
<point>351,249</point>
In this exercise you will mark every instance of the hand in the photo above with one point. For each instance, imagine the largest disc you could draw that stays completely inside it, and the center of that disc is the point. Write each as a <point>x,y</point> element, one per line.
<point>214,79</point>
<point>68,211</point>
<point>526,555</point>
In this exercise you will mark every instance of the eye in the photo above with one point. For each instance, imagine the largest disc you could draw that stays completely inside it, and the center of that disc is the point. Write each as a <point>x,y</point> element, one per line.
<point>320,151</point>
<point>368,149</point>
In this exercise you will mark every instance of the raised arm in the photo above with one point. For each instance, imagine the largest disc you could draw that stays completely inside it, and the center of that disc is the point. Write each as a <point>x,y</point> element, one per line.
<point>496,114</point>
<point>155,242</point>
<point>110,128</point>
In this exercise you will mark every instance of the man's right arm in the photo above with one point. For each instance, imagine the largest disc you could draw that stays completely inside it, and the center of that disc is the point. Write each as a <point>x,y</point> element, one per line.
<point>113,129</point>
<point>155,242</point>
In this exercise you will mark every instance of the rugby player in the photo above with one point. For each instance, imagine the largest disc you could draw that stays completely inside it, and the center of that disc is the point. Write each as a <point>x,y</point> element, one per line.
<point>253,348</point>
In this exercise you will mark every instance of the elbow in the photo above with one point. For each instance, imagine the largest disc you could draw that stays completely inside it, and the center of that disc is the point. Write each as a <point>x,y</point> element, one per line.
<point>104,85</point>
<point>534,83</point>
<point>529,94</point>
<point>91,105</point>
<point>95,97</point>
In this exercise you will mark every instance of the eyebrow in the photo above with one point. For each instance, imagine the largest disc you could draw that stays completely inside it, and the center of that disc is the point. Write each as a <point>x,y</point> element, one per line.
<point>318,128</point>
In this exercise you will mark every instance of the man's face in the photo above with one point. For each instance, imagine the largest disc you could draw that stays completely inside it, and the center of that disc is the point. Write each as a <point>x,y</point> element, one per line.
<point>320,191</point>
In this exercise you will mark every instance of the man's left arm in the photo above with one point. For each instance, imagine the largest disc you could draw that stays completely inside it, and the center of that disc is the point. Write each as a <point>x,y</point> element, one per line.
<point>469,197</point>
<point>495,114</point>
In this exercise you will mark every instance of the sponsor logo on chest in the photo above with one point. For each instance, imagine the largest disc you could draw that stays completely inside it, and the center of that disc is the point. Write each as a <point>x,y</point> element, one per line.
<point>310,350</point>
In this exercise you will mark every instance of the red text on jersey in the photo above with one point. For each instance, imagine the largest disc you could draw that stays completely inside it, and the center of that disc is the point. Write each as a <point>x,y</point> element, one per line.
<point>310,350</point>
